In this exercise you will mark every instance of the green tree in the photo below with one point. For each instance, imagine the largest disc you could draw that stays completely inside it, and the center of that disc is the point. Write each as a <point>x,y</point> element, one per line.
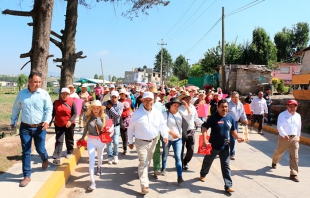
<point>114,79</point>
<point>120,79</point>
<point>196,71</point>
<point>167,60</point>
<point>245,57</point>
<point>109,77</point>
<point>262,50</point>
<point>100,77</point>
<point>300,36</point>
<point>211,60</point>
<point>96,76</point>
<point>233,53</point>
<point>21,81</point>
<point>181,67</point>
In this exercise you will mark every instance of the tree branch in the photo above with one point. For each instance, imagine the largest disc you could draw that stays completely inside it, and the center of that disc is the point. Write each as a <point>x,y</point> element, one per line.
<point>25,65</point>
<point>57,43</point>
<point>79,55</point>
<point>17,13</point>
<point>25,55</point>
<point>56,35</point>
<point>30,24</point>
<point>58,60</point>
<point>60,66</point>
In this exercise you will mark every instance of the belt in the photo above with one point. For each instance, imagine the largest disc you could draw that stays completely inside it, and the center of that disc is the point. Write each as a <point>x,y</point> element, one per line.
<point>116,124</point>
<point>291,136</point>
<point>147,140</point>
<point>32,125</point>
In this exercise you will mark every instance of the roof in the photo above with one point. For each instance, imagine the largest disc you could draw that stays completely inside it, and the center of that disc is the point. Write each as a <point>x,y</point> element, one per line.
<point>300,53</point>
<point>90,80</point>
<point>262,68</point>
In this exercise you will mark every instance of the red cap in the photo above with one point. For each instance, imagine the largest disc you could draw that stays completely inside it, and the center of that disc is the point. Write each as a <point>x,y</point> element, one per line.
<point>294,102</point>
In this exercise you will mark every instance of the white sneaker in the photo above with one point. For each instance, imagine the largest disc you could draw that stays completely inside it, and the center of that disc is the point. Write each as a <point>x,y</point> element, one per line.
<point>92,186</point>
<point>68,156</point>
<point>110,161</point>
<point>115,159</point>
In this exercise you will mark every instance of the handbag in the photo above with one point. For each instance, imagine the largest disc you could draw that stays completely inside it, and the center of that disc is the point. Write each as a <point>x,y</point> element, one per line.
<point>81,143</point>
<point>205,150</point>
<point>105,134</point>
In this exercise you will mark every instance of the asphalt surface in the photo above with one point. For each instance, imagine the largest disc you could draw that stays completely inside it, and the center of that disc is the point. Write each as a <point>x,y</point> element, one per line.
<point>251,174</point>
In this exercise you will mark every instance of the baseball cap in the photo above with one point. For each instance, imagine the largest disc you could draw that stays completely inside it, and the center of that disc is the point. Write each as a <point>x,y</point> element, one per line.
<point>148,94</point>
<point>67,90</point>
<point>84,85</point>
<point>112,86</point>
<point>294,102</point>
<point>114,93</point>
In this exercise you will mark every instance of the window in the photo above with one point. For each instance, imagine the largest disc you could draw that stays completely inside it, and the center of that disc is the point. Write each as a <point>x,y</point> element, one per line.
<point>285,70</point>
<point>153,74</point>
<point>158,75</point>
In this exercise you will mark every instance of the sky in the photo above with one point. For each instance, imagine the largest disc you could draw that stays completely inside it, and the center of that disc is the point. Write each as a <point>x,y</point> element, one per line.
<point>188,27</point>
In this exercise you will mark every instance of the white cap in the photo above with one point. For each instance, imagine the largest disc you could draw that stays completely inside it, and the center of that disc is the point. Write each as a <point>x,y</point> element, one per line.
<point>111,86</point>
<point>65,90</point>
<point>84,85</point>
<point>114,93</point>
<point>148,95</point>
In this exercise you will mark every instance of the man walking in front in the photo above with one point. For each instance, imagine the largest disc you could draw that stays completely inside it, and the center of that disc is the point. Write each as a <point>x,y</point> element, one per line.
<point>289,126</point>
<point>145,124</point>
<point>36,106</point>
<point>222,125</point>
<point>258,110</point>
<point>236,110</point>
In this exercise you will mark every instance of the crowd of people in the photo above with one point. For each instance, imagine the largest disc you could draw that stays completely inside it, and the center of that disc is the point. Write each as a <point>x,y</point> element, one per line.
<point>147,118</point>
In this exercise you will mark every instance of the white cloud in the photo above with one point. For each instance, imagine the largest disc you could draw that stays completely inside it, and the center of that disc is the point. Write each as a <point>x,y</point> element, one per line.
<point>102,53</point>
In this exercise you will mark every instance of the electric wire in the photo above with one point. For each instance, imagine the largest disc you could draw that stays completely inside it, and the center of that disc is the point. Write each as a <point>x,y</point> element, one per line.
<point>235,12</point>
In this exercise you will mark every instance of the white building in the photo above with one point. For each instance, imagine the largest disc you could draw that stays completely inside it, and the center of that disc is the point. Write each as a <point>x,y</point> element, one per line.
<point>146,75</point>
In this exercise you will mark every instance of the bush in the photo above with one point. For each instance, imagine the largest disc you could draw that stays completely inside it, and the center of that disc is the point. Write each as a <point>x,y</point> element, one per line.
<point>280,87</point>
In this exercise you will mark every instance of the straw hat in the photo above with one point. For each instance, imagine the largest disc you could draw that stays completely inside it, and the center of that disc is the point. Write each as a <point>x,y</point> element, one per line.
<point>172,89</point>
<point>184,95</point>
<point>123,91</point>
<point>153,90</point>
<point>96,103</point>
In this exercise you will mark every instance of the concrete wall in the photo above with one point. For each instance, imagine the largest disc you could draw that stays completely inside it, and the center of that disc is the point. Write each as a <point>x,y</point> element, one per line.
<point>305,63</point>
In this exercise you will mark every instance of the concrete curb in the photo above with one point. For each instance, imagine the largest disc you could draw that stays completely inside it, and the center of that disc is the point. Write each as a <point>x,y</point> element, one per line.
<point>58,179</point>
<point>303,140</point>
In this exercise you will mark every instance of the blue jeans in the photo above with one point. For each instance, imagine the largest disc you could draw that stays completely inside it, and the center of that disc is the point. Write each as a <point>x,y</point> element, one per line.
<point>224,159</point>
<point>26,135</point>
<point>114,151</point>
<point>233,141</point>
<point>177,149</point>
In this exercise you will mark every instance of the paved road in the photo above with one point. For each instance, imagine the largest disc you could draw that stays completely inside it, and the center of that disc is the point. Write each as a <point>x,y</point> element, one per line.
<point>251,174</point>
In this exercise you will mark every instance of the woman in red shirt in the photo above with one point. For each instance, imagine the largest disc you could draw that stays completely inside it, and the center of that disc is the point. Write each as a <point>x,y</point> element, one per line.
<point>125,117</point>
<point>64,111</point>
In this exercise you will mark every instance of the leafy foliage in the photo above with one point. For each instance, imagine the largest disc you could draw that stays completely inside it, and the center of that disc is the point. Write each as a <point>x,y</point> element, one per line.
<point>167,60</point>
<point>181,67</point>
<point>113,78</point>
<point>196,71</point>
<point>262,50</point>
<point>21,80</point>
<point>96,76</point>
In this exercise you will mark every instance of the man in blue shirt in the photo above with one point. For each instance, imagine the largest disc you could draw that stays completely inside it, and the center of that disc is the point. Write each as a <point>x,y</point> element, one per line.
<point>222,125</point>
<point>36,106</point>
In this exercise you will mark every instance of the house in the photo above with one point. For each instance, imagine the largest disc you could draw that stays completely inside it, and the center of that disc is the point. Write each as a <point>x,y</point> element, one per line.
<point>285,71</point>
<point>8,84</point>
<point>246,78</point>
<point>146,75</point>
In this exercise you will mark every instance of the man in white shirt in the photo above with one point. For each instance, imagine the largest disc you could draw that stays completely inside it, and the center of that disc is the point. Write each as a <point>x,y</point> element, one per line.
<point>289,127</point>
<point>190,115</point>
<point>236,110</point>
<point>259,110</point>
<point>145,124</point>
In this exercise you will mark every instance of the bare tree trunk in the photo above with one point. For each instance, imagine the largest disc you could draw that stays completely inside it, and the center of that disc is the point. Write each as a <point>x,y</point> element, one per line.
<point>39,52</point>
<point>42,20</point>
<point>67,45</point>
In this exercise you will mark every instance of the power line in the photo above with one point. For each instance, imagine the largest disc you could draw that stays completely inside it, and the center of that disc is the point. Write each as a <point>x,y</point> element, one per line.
<point>193,21</point>
<point>203,36</point>
<point>180,18</point>
<point>187,20</point>
<point>238,10</point>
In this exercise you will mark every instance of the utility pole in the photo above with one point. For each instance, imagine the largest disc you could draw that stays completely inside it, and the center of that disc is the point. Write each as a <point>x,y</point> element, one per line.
<point>223,53</point>
<point>102,72</point>
<point>161,62</point>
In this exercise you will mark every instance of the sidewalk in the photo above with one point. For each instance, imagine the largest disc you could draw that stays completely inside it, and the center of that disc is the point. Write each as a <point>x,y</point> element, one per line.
<point>9,181</point>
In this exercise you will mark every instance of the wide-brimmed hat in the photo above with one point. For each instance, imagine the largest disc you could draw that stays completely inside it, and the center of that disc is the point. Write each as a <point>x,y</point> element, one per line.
<point>172,101</point>
<point>153,89</point>
<point>96,103</point>
<point>172,89</point>
<point>123,91</point>
<point>184,95</point>
<point>84,86</point>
